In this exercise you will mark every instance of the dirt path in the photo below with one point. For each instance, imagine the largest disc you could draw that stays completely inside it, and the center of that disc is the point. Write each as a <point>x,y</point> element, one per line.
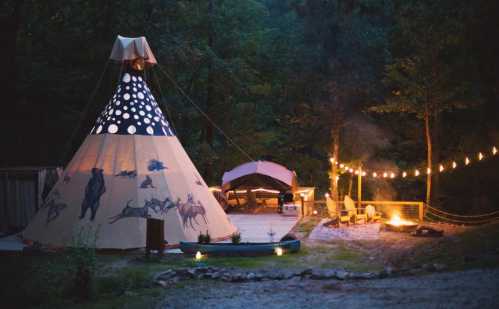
<point>465,289</point>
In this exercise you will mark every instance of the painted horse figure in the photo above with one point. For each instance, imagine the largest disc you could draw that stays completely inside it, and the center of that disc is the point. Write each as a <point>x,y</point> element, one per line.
<point>190,210</point>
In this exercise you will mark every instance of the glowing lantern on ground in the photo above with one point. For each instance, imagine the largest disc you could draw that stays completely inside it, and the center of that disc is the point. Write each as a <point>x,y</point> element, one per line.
<point>278,251</point>
<point>198,256</point>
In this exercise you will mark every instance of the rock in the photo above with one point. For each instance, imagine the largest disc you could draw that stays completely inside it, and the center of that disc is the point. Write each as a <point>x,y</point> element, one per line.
<point>439,266</point>
<point>165,275</point>
<point>161,283</point>
<point>251,277</point>
<point>365,275</point>
<point>342,274</point>
<point>319,274</point>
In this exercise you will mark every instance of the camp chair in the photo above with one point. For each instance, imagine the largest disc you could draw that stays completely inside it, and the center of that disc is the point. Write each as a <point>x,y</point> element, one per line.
<point>371,214</point>
<point>350,213</point>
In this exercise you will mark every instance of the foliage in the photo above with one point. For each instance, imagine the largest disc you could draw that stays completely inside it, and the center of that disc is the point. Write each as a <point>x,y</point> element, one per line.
<point>204,238</point>
<point>275,75</point>
<point>235,238</point>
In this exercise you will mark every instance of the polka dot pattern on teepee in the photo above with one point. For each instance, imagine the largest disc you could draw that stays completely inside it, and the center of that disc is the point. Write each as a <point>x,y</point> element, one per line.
<point>132,111</point>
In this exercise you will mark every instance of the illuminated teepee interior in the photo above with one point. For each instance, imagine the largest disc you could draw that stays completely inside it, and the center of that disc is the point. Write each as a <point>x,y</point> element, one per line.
<point>130,167</point>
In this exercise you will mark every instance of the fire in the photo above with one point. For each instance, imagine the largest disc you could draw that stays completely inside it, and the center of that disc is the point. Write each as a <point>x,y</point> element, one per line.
<point>397,221</point>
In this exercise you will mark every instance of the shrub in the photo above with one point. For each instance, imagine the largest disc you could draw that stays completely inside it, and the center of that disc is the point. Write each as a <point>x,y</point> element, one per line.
<point>236,238</point>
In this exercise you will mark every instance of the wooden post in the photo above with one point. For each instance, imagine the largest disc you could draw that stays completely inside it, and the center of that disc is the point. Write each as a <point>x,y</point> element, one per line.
<point>421,212</point>
<point>359,187</point>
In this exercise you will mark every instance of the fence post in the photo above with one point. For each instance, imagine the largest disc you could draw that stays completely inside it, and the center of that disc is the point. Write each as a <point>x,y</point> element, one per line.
<point>421,214</point>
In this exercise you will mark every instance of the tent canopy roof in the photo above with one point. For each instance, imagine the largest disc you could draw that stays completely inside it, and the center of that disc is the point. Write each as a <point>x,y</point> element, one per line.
<point>259,174</point>
<point>128,49</point>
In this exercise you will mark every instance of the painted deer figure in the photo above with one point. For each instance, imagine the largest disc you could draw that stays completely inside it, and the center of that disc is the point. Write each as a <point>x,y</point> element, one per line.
<point>130,212</point>
<point>190,210</point>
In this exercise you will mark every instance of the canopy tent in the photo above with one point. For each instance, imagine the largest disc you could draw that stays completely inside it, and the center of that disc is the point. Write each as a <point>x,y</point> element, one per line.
<point>259,174</point>
<point>130,167</point>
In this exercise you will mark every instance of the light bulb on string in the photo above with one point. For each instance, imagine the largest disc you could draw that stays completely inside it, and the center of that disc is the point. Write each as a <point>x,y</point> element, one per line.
<point>342,165</point>
<point>404,174</point>
<point>428,171</point>
<point>364,174</point>
<point>494,150</point>
<point>454,164</point>
<point>385,174</point>
<point>392,175</point>
<point>466,161</point>
<point>441,168</point>
<point>375,175</point>
<point>350,170</point>
<point>480,156</point>
<point>332,160</point>
<point>416,173</point>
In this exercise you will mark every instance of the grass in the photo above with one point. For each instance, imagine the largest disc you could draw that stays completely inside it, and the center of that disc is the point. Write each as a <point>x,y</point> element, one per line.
<point>477,247</point>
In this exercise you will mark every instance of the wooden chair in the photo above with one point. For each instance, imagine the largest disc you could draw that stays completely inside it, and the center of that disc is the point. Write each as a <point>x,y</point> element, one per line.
<point>351,214</point>
<point>371,214</point>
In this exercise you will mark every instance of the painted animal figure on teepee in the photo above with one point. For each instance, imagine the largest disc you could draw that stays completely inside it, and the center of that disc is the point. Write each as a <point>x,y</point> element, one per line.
<point>129,168</point>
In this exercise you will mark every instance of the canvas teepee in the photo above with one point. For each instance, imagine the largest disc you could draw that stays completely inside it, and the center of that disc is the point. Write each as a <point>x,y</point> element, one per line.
<point>130,167</point>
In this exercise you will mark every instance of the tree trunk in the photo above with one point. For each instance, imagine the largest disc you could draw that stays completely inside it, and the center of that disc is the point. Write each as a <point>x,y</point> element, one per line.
<point>428,153</point>
<point>335,151</point>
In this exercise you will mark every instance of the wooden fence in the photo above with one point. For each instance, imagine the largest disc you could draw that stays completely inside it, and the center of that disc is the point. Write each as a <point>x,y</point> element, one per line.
<point>413,210</point>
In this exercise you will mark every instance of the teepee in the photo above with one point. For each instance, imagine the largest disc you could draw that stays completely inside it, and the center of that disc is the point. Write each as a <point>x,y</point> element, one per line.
<point>130,167</point>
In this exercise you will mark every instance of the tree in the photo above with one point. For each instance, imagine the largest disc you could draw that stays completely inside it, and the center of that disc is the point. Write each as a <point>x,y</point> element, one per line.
<point>422,78</point>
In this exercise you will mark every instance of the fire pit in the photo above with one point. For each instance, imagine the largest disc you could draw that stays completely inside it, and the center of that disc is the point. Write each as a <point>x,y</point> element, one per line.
<point>397,224</point>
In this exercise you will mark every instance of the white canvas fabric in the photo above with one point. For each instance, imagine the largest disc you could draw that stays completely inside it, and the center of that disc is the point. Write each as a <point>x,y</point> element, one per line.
<point>267,168</point>
<point>131,167</point>
<point>127,49</point>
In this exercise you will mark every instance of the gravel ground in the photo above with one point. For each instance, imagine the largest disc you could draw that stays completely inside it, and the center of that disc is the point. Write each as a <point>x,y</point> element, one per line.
<point>465,289</point>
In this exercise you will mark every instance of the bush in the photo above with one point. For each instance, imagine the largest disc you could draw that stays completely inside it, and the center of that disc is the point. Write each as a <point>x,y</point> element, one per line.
<point>236,238</point>
<point>204,238</point>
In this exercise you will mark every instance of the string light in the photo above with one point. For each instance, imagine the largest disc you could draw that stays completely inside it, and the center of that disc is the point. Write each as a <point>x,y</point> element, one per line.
<point>388,174</point>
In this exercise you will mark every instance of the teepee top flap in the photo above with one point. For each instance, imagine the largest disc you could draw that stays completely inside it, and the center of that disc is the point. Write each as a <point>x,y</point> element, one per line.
<point>128,49</point>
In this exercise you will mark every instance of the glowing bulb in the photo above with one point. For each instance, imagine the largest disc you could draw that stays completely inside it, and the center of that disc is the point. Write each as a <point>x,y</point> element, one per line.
<point>466,161</point>
<point>364,173</point>
<point>315,212</point>
<point>375,174</point>
<point>428,171</point>
<point>326,195</point>
<point>404,174</point>
<point>454,164</point>
<point>350,170</point>
<point>342,165</point>
<point>337,178</point>
<point>392,175</point>
<point>357,172</point>
<point>332,160</point>
<point>199,256</point>
<point>278,251</point>
<point>480,156</point>
<point>441,168</point>
<point>385,174</point>
<point>494,150</point>
<point>416,173</point>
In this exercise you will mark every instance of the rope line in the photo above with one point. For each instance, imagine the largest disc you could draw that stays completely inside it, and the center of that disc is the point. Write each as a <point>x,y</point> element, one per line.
<point>462,216</point>
<point>482,221</point>
<point>205,115</point>
<point>84,113</point>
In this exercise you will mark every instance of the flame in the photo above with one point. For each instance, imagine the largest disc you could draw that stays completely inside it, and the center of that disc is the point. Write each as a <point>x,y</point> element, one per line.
<point>397,221</point>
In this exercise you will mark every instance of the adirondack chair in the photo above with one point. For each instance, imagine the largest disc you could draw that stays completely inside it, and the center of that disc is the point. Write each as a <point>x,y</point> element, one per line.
<point>351,214</point>
<point>371,214</point>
